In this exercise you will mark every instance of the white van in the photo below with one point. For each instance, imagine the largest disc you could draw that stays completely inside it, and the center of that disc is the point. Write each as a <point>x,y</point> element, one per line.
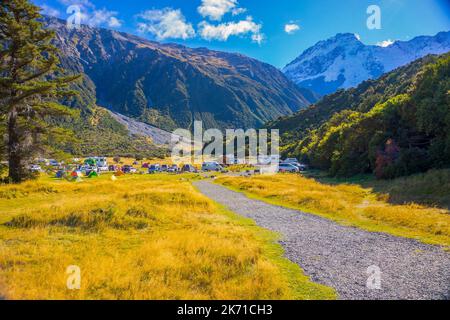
<point>102,163</point>
<point>211,166</point>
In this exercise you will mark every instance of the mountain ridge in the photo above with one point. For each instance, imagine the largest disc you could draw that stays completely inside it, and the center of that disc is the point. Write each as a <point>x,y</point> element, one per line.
<point>175,84</point>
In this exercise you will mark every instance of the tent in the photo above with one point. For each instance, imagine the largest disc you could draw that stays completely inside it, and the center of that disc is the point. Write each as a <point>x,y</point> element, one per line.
<point>93,174</point>
<point>119,173</point>
<point>76,174</point>
<point>60,174</point>
<point>90,162</point>
<point>145,165</point>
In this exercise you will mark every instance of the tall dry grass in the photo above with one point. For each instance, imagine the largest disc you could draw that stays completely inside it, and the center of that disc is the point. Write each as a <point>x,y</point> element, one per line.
<point>141,237</point>
<point>349,205</point>
<point>431,188</point>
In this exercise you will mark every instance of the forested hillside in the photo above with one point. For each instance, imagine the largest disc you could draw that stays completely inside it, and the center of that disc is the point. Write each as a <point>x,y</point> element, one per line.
<point>394,126</point>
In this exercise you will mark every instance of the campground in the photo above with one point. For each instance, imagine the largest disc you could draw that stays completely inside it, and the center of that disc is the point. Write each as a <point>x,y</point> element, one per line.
<point>138,237</point>
<point>155,236</point>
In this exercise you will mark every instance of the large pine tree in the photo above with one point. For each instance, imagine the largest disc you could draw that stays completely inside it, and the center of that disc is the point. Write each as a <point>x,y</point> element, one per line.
<point>31,83</point>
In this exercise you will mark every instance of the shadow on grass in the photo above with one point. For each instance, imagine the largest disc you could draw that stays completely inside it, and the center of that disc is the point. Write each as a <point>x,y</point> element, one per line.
<point>429,189</point>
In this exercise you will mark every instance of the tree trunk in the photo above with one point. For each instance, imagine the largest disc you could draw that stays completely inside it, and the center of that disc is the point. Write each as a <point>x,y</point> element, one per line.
<point>14,155</point>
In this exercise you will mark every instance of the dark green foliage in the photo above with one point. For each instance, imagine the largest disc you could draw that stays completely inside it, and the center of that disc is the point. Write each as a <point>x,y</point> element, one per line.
<point>98,133</point>
<point>155,118</point>
<point>31,82</point>
<point>395,126</point>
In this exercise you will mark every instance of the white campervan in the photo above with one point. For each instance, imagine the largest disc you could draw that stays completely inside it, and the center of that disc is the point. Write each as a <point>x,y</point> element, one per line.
<point>211,166</point>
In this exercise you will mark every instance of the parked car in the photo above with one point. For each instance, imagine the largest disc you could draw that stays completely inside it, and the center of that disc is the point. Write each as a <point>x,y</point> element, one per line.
<point>35,168</point>
<point>212,166</point>
<point>54,163</point>
<point>43,161</point>
<point>154,168</point>
<point>173,168</point>
<point>86,170</point>
<point>291,160</point>
<point>301,167</point>
<point>288,167</point>
<point>103,169</point>
<point>188,168</point>
<point>129,169</point>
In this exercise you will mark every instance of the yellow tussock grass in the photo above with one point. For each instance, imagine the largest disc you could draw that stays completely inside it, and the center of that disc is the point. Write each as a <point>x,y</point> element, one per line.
<point>348,205</point>
<point>140,237</point>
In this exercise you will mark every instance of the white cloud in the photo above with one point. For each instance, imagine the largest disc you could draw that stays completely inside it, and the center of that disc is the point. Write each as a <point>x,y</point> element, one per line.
<point>114,22</point>
<point>238,11</point>
<point>216,9</point>
<point>81,3</point>
<point>92,16</point>
<point>49,11</point>
<point>166,23</point>
<point>223,31</point>
<point>385,43</point>
<point>291,28</point>
<point>103,17</point>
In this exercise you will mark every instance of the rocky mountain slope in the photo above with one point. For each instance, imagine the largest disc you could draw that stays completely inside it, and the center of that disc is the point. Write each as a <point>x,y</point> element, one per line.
<point>344,61</point>
<point>169,85</point>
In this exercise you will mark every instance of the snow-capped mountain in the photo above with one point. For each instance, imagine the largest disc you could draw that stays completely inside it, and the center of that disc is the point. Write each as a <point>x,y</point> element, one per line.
<point>344,61</point>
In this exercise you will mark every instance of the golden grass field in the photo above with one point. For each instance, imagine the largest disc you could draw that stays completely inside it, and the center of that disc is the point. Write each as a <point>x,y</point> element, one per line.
<point>431,188</point>
<point>348,204</point>
<point>140,237</point>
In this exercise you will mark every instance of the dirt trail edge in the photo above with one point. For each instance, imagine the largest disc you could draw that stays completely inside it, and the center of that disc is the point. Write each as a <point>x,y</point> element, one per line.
<point>347,258</point>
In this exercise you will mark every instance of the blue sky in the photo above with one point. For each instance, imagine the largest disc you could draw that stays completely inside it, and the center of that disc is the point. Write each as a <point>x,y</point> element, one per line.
<point>274,31</point>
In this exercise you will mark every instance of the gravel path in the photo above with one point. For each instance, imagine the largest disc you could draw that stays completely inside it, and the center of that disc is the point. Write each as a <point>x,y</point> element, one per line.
<point>339,256</point>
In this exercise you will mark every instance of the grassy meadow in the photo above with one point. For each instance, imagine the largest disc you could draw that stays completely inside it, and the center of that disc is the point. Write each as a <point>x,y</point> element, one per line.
<point>430,188</point>
<point>140,237</point>
<point>351,204</point>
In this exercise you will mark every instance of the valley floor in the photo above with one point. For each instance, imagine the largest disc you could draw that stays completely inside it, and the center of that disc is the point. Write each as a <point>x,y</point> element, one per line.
<point>343,257</point>
<point>158,237</point>
<point>140,237</point>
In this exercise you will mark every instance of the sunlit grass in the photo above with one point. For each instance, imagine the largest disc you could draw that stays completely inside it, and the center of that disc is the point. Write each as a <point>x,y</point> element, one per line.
<point>140,237</point>
<point>347,204</point>
<point>431,188</point>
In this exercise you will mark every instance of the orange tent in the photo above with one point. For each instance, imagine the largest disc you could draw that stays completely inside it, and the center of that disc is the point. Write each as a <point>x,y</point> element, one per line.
<point>119,173</point>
